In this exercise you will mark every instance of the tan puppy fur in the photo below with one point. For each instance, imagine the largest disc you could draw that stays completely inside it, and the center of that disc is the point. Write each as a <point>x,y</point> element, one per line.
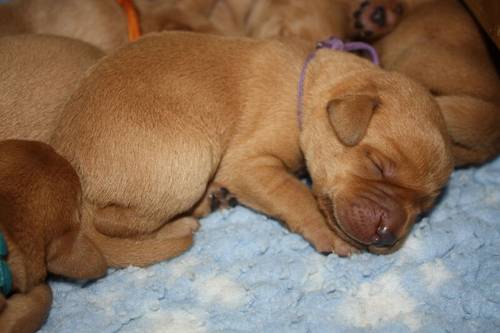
<point>439,44</point>
<point>101,23</point>
<point>158,121</point>
<point>37,74</point>
<point>312,20</point>
<point>40,219</point>
<point>191,15</point>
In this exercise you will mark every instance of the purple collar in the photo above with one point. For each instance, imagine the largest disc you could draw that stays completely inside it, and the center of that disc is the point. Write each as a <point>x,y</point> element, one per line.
<point>335,44</point>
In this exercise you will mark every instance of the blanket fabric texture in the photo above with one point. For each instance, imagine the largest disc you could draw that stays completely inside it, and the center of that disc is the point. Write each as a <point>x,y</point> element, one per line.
<point>246,273</point>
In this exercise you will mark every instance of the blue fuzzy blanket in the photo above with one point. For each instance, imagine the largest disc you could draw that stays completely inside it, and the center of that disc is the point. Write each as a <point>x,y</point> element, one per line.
<point>246,273</point>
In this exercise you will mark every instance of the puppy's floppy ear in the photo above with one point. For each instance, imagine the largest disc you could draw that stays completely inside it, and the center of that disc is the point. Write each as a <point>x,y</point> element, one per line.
<point>350,115</point>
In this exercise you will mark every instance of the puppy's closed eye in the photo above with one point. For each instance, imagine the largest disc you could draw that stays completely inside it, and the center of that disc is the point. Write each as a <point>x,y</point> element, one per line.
<point>384,167</point>
<point>375,165</point>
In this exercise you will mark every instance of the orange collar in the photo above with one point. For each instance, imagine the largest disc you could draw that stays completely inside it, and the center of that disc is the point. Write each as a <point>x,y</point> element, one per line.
<point>134,27</point>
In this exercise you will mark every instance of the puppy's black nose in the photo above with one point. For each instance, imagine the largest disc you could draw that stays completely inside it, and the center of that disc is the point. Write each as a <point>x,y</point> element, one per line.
<point>384,237</point>
<point>378,16</point>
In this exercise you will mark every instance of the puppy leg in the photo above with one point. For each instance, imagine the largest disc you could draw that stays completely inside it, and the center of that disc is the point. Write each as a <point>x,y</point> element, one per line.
<point>118,221</point>
<point>26,313</point>
<point>74,255</point>
<point>124,199</point>
<point>265,185</point>
<point>169,241</point>
<point>474,127</point>
<point>180,227</point>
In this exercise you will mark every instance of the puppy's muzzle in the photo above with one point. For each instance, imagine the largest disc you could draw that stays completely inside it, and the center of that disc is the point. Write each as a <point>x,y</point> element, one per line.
<point>367,220</point>
<point>371,220</point>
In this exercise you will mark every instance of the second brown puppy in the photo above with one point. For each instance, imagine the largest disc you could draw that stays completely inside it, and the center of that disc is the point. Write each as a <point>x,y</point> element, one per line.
<point>40,222</point>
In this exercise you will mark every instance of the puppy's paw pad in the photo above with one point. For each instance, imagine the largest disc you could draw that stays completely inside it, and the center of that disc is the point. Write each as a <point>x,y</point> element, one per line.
<point>221,198</point>
<point>375,18</point>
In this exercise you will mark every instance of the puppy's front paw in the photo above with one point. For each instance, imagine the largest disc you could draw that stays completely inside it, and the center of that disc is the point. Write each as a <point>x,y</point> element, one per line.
<point>326,241</point>
<point>375,18</point>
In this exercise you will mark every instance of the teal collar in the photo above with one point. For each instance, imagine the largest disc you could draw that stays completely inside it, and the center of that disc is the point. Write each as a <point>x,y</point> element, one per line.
<point>5,273</point>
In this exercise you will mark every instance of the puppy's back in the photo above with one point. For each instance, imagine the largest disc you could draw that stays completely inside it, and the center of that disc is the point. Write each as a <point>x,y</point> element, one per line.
<point>167,79</point>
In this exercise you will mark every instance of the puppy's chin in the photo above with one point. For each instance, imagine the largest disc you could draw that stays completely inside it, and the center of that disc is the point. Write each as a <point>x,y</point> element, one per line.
<point>328,208</point>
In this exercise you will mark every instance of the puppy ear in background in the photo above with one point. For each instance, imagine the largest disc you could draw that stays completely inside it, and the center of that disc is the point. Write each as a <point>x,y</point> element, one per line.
<point>350,116</point>
<point>74,255</point>
<point>26,313</point>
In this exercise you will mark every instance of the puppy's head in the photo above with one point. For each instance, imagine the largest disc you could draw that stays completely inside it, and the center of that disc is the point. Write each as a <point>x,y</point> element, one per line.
<point>377,150</point>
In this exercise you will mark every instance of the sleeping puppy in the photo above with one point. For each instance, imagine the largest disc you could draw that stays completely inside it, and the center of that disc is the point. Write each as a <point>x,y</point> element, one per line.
<point>37,75</point>
<point>311,20</point>
<point>40,232</point>
<point>102,23</point>
<point>158,121</point>
<point>438,44</point>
